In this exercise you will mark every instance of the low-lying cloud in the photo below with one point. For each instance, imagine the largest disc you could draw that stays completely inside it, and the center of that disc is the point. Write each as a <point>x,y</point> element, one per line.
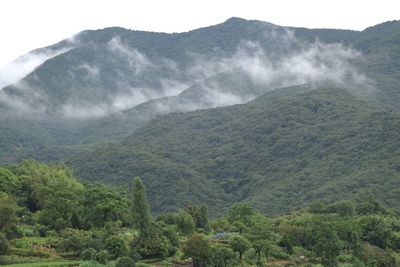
<point>22,66</point>
<point>311,63</point>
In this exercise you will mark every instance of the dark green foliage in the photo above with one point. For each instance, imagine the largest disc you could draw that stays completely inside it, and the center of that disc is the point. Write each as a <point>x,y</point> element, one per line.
<point>171,234</point>
<point>199,215</point>
<point>89,254</point>
<point>343,208</point>
<point>102,256</point>
<point>376,231</point>
<point>116,247</point>
<point>277,152</point>
<point>8,209</point>
<point>125,262</point>
<point>328,245</point>
<point>4,245</point>
<point>152,246</point>
<point>223,256</point>
<point>75,241</point>
<point>197,248</point>
<point>140,208</point>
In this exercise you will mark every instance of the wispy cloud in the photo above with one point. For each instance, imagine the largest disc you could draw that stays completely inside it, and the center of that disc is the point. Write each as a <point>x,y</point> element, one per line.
<point>19,68</point>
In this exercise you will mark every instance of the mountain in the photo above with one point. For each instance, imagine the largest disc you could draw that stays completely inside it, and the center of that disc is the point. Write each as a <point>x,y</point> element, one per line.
<point>280,151</point>
<point>101,85</point>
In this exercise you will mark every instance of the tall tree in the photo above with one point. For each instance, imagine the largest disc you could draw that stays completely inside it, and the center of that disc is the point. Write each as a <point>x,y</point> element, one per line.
<point>140,208</point>
<point>198,248</point>
<point>240,244</point>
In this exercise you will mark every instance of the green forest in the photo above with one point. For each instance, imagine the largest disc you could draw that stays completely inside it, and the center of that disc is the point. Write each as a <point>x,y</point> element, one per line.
<point>49,218</point>
<point>240,144</point>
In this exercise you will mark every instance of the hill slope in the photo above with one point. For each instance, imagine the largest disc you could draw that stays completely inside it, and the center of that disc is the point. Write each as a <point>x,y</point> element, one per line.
<point>102,85</point>
<point>280,151</point>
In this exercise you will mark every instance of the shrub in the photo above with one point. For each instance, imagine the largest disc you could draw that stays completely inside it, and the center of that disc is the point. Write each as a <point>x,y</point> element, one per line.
<point>4,245</point>
<point>125,262</point>
<point>103,256</point>
<point>88,254</point>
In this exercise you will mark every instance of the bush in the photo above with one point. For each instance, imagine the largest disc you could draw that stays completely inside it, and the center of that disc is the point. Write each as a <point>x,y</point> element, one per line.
<point>103,256</point>
<point>116,246</point>
<point>125,262</point>
<point>4,245</point>
<point>89,254</point>
<point>152,247</point>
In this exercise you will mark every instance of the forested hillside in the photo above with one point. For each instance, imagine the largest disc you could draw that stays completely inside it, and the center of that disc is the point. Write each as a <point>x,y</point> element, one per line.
<point>279,152</point>
<point>100,86</point>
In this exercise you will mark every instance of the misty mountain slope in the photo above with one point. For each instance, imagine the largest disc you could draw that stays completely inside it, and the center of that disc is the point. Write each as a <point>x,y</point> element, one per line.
<point>113,69</point>
<point>100,86</point>
<point>280,151</point>
<point>222,89</point>
<point>380,48</point>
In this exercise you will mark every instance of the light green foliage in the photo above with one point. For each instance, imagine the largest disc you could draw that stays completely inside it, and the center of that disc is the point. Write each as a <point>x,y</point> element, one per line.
<point>104,204</point>
<point>9,183</point>
<point>220,225</point>
<point>185,222</point>
<point>241,212</point>
<point>51,189</point>
<point>240,245</point>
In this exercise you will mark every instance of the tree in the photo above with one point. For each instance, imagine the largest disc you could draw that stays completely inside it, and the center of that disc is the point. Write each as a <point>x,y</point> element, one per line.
<point>152,246</point>
<point>241,212</point>
<point>185,223</point>
<point>199,215</point>
<point>140,208</point>
<point>376,231</point>
<point>8,181</point>
<point>328,245</point>
<point>8,208</point>
<point>343,208</point>
<point>240,244</point>
<point>223,256</point>
<point>49,188</point>
<point>75,240</point>
<point>104,204</point>
<point>116,246</point>
<point>197,248</point>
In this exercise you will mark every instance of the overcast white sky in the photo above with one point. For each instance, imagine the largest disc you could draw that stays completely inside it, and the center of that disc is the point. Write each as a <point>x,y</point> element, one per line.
<point>29,24</point>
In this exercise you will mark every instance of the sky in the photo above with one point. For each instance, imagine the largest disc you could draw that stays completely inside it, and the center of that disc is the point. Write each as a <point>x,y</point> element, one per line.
<point>29,24</point>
